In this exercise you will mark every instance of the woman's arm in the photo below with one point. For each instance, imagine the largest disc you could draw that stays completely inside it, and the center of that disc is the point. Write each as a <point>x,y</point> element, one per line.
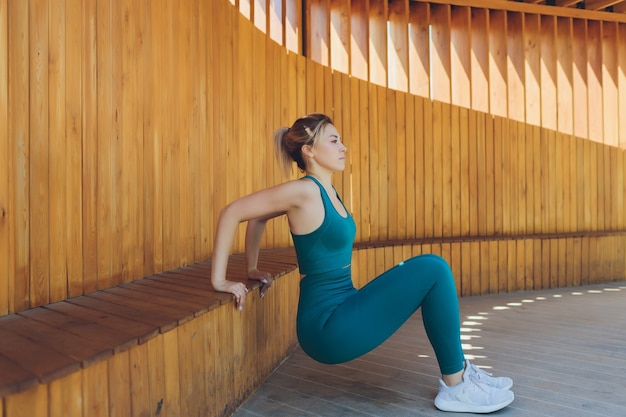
<point>260,205</point>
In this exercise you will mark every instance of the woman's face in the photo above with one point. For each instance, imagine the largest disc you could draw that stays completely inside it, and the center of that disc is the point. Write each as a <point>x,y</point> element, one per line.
<point>329,152</point>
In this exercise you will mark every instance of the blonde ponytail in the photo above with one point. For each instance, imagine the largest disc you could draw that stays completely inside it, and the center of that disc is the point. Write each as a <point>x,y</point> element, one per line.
<point>282,152</point>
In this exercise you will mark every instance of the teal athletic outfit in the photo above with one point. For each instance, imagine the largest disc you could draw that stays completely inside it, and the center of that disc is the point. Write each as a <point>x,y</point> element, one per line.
<point>337,323</point>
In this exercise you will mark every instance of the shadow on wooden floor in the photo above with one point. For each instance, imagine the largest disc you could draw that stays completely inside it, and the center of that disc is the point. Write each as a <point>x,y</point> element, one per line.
<point>565,350</point>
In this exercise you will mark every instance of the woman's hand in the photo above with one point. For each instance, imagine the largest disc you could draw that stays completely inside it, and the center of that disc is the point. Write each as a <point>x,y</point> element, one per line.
<point>265,278</point>
<point>238,289</point>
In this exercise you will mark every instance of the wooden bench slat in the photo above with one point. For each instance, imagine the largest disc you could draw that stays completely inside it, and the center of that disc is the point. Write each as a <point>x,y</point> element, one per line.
<point>77,322</point>
<point>213,299</point>
<point>47,364</point>
<point>84,351</point>
<point>149,316</point>
<point>203,304</point>
<point>14,378</point>
<point>191,309</point>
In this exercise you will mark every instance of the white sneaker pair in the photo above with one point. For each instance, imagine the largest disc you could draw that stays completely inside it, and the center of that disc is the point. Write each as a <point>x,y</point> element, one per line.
<point>479,392</point>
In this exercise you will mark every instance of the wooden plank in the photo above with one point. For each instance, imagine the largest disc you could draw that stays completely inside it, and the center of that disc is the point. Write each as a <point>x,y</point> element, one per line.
<point>83,350</point>
<point>420,168</point>
<point>410,166</point>
<point>358,52</point>
<point>564,75</point>
<point>515,75</point>
<point>392,198</point>
<point>57,153</point>
<point>19,181</point>
<point>4,160</point>
<point>594,80</point>
<point>429,169</point>
<point>106,125</point>
<point>47,364</point>
<point>440,55</point>
<point>73,146</point>
<point>39,213</point>
<point>83,317</point>
<point>14,378</point>
<point>65,396</point>
<point>89,146</point>
<point>446,170</point>
<point>479,79</point>
<point>139,390</point>
<point>498,95</point>
<point>340,35</point>
<point>503,209</point>
<point>96,390</point>
<point>456,170</point>
<point>610,99</point>
<point>33,402</point>
<point>548,73</point>
<point>171,373</point>
<point>120,395</point>
<point>398,50</point>
<point>419,49</point>
<point>532,68</point>
<point>378,63</point>
<point>622,84</point>
<point>460,63</point>
<point>579,78</point>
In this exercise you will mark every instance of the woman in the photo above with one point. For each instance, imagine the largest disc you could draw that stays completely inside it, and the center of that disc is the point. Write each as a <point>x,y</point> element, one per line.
<point>335,322</point>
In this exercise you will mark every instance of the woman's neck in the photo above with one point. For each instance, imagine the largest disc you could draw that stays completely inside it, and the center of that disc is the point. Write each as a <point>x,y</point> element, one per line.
<point>326,179</point>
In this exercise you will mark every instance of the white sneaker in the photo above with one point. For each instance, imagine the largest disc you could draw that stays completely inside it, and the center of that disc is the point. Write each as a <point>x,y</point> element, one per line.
<point>471,397</point>
<point>479,376</point>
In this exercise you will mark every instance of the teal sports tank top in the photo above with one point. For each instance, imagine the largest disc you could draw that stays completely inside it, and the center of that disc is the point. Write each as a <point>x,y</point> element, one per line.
<point>329,247</point>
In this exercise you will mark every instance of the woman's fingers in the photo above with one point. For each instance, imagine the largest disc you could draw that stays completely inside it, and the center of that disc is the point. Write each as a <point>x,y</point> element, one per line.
<point>240,292</point>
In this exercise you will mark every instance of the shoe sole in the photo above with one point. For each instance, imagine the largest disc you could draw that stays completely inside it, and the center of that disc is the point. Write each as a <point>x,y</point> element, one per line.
<point>459,407</point>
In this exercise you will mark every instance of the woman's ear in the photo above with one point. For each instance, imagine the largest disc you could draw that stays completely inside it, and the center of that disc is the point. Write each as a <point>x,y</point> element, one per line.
<point>307,150</point>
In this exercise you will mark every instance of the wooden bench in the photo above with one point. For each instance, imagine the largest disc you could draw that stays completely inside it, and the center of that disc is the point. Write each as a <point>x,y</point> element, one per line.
<point>104,335</point>
<point>44,344</point>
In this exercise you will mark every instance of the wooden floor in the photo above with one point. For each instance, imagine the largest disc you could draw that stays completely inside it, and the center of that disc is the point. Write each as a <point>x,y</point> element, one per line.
<point>565,350</point>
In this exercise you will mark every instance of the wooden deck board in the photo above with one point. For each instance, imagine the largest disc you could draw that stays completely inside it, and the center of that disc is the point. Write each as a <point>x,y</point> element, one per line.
<point>564,348</point>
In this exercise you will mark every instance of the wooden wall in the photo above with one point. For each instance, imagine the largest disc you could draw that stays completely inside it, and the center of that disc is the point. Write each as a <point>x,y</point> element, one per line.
<point>125,125</point>
<point>559,68</point>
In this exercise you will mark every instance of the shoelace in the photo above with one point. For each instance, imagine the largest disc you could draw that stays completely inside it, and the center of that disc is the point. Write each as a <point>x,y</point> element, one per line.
<point>479,372</point>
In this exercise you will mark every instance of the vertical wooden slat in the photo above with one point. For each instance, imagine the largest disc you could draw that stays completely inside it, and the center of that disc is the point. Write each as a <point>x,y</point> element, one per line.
<point>498,98</point>
<point>18,127</point>
<point>428,158</point>
<point>106,118</point>
<point>33,402</point>
<point>57,151</point>
<point>65,396</point>
<point>480,60</point>
<point>532,68</point>
<point>440,54</point>
<point>548,72</point>
<point>73,147</point>
<point>380,95</point>
<point>359,39</point>
<point>564,75</point>
<point>515,75</point>
<point>378,12</point>
<point>610,100</point>
<point>456,175</point>
<point>409,165</point>
<point>275,14</point>
<point>621,84</point>
<point>340,35</point>
<point>579,78</point>
<point>39,163</point>
<point>293,26</point>
<point>502,176</point>
<point>461,51</point>
<point>398,59</point>
<point>4,160</point>
<point>420,165</point>
<point>489,169</point>
<point>139,377</point>
<point>419,49</point>
<point>318,31</point>
<point>120,392</point>
<point>594,80</point>
<point>171,374</point>
<point>464,172</point>
<point>96,390</point>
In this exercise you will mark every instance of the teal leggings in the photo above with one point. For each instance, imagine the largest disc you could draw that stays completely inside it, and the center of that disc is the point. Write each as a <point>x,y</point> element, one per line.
<point>337,323</point>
